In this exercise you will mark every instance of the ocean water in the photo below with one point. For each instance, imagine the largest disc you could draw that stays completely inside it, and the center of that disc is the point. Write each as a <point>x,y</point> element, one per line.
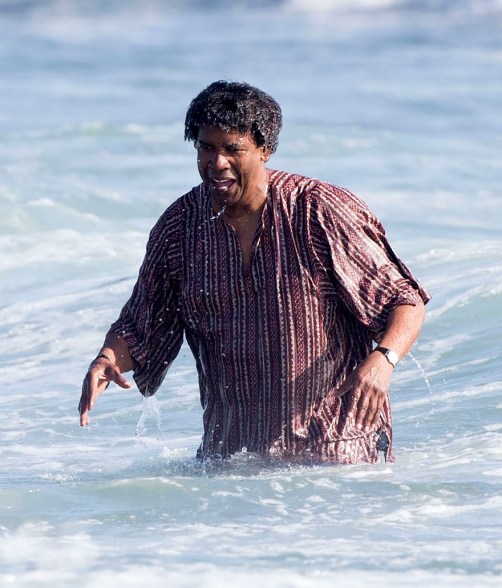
<point>397,100</point>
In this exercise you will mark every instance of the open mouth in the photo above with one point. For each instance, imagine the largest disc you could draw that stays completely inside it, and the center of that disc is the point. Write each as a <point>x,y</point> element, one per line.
<point>222,184</point>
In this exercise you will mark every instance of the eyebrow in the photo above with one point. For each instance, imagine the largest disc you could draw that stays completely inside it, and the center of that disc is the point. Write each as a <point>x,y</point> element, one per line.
<point>225,145</point>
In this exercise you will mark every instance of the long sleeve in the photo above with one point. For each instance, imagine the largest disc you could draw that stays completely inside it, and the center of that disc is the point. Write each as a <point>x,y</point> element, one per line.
<point>150,322</point>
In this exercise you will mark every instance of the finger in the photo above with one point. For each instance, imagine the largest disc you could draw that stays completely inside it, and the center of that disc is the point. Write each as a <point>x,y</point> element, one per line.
<point>109,372</point>
<point>83,405</point>
<point>84,419</point>
<point>372,409</point>
<point>378,414</point>
<point>113,374</point>
<point>354,402</point>
<point>90,391</point>
<point>95,379</point>
<point>375,421</point>
<point>361,410</point>
<point>354,399</point>
<point>345,387</point>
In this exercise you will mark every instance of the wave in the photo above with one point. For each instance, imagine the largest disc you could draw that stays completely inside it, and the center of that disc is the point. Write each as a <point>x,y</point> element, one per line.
<point>153,8</point>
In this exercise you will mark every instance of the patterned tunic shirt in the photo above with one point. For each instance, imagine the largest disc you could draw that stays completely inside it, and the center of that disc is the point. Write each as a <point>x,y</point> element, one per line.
<point>273,345</point>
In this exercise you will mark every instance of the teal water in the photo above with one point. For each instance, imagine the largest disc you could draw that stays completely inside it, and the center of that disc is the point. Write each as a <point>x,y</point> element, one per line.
<point>397,101</point>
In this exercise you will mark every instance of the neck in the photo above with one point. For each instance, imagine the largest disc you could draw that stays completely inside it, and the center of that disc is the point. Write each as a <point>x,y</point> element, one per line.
<point>246,209</point>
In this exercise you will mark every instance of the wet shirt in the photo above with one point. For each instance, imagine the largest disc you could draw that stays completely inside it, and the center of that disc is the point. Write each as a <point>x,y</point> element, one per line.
<point>271,346</point>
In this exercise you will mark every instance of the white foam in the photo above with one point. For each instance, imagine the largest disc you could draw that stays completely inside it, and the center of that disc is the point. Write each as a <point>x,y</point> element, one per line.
<point>338,5</point>
<point>85,175</point>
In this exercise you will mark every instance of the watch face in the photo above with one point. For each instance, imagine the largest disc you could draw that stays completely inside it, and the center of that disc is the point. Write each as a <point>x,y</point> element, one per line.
<point>392,357</point>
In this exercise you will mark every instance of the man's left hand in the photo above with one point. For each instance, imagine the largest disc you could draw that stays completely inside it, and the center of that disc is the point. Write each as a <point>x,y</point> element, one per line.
<point>368,385</point>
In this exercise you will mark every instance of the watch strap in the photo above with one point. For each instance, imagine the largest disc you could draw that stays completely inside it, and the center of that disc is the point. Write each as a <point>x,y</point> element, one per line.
<point>390,355</point>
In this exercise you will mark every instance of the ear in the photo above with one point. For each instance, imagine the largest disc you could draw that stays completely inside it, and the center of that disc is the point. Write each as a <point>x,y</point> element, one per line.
<point>265,154</point>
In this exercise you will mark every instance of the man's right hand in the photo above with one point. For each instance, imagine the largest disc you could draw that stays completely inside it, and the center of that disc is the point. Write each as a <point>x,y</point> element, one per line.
<point>99,375</point>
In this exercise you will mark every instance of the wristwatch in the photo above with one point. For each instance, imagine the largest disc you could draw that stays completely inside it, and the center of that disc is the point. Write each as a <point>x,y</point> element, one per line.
<point>392,356</point>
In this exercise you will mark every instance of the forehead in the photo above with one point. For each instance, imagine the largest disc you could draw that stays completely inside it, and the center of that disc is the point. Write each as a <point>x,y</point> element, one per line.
<point>217,136</point>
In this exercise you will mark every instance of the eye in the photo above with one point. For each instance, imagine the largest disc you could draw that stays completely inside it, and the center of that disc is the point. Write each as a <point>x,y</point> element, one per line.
<point>234,149</point>
<point>203,147</point>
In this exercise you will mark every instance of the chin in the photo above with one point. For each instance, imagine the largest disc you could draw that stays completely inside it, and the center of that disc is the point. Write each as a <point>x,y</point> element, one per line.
<point>224,199</point>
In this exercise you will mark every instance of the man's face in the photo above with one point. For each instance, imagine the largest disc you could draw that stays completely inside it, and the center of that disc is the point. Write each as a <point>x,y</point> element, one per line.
<point>232,166</point>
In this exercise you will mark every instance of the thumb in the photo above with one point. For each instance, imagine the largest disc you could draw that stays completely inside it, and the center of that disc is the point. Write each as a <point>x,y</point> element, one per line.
<point>346,386</point>
<point>118,378</point>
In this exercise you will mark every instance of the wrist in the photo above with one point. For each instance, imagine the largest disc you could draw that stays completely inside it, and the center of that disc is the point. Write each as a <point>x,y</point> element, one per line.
<point>391,356</point>
<point>98,358</point>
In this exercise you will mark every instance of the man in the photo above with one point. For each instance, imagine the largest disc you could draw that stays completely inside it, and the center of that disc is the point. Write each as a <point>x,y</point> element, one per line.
<point>280,284</point>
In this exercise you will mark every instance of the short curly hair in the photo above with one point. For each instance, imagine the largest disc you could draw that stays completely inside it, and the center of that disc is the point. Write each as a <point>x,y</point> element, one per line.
<point>235,105</point>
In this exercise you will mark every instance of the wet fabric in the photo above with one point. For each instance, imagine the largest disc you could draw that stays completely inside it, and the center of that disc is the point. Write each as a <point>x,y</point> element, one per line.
<point>273,345</point>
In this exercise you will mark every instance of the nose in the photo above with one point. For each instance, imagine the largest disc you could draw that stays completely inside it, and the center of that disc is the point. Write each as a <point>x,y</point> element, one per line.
<point>219,161</point>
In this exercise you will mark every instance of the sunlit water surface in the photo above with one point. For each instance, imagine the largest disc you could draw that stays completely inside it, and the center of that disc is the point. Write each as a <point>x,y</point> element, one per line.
<point>397,100</point>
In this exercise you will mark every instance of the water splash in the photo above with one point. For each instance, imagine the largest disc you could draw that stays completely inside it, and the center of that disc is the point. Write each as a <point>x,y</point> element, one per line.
<point>217,215</point>
<point>422,371</point>
<point>151,411</point>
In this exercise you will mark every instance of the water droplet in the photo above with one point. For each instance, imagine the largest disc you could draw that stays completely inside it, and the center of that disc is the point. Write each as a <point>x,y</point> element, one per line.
<point>422,371</point>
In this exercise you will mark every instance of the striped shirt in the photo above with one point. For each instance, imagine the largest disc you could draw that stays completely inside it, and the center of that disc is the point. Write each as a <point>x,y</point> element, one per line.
<point>273,345</point>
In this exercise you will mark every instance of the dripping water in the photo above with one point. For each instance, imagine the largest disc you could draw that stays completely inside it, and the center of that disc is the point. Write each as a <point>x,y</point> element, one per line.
<point>150,412</point>
<point>217,215</point>
<point>422,372</point>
